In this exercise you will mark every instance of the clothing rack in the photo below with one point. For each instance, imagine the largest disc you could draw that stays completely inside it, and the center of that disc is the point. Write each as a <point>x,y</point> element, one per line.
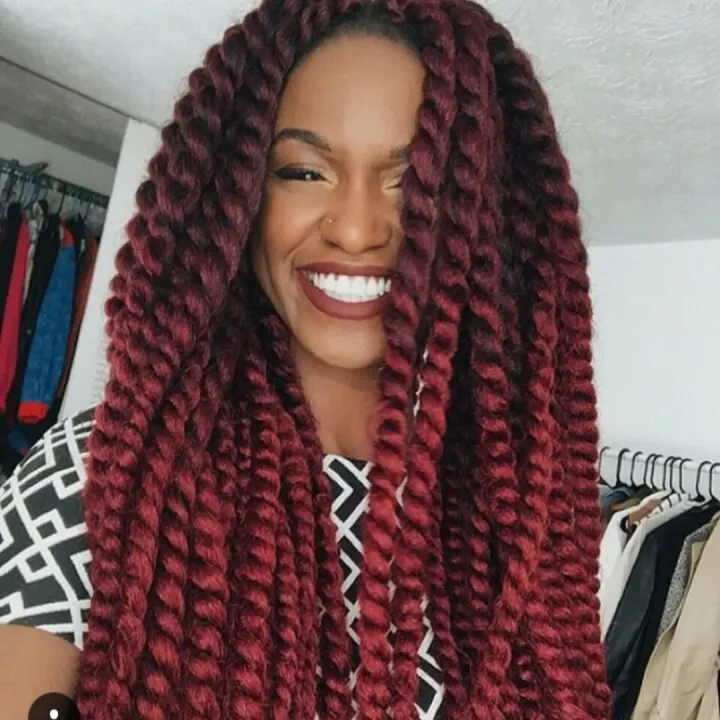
<point>28,183</point>
<point>662,472</point>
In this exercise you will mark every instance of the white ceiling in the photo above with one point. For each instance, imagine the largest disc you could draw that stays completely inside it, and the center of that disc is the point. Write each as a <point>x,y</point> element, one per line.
<point>635,85</point>
<point>32,103</point>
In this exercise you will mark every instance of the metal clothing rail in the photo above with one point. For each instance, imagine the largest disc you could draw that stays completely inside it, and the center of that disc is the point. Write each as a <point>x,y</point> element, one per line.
<point>13,175</point>
<point>662,472</point>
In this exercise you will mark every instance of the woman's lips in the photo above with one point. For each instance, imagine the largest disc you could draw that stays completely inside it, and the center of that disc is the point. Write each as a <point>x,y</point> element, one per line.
<point>337,308</point>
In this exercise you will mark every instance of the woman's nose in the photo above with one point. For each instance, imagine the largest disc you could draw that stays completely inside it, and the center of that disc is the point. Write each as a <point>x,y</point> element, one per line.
<point>359,220</point>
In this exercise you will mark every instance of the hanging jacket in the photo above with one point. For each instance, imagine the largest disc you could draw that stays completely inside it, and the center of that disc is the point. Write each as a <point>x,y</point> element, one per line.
<point>82,289</point>
<point>47,354</point>
<point>613,585</point>
<point>36,224</point>
<point>680,681</point>
<point>10,328</point>
<point>682,575</point>
<point>7,252</point>
<point>633,631</point>
<point>46,253</point>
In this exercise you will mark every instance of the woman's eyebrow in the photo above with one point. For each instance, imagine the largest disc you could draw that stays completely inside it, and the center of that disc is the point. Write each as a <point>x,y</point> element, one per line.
<point>305,136</point>
<point>399,154</point>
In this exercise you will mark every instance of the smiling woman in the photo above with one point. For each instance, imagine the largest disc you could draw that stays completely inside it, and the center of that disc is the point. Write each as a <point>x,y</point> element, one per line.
<point>345,462</point>
<point>330,226</point>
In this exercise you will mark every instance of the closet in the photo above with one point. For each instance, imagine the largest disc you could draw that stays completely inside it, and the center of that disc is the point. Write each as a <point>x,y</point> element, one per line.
<point>660,586</point>
<point>49,237</point>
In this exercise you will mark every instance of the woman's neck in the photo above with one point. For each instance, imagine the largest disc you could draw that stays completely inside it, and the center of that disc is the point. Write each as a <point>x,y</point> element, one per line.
<point>344,403</point>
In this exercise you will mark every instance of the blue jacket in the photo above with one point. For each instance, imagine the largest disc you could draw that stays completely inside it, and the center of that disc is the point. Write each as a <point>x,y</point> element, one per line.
<point>52,329</point>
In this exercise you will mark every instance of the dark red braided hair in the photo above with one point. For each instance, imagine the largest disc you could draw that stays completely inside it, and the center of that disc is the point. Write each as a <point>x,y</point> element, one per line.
<point>216,572</point>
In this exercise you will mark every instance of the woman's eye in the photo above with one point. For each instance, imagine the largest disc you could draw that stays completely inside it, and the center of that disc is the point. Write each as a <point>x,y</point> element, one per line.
<point>301,174</point>
<point>397,182</point>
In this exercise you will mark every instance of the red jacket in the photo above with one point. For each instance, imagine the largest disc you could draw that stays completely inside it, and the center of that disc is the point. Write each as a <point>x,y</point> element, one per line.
<point>10,329</point>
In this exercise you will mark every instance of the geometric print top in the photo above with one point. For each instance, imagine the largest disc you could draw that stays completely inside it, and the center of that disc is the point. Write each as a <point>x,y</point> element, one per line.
<point>45,561</point>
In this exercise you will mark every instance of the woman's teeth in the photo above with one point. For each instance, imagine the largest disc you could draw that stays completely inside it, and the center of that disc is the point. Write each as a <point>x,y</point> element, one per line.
<point>350,289</point>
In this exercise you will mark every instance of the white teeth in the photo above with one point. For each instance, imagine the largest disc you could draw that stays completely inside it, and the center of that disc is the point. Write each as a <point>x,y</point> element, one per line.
<point>350,289</point>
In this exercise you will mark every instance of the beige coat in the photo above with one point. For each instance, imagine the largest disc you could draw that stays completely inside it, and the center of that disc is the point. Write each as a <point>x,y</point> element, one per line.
<point>680,681</point>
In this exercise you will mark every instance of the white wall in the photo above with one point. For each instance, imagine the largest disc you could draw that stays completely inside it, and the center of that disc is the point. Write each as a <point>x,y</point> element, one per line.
<point>65,164</point>
<point>657,346</point>
<point>89,371</point>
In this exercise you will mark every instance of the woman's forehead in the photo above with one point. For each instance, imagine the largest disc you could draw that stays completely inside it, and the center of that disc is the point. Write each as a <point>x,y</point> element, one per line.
<point>355,89</point>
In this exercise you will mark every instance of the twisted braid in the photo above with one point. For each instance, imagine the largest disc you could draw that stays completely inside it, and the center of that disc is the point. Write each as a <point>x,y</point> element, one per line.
<point>477,219</point>
<point>408,297</point>
<point>557,200</point>
<point>299,492</point>
<point>256,565</point>
<point>576,397</point>
<point>150,331</point>
<point>286,624</point>
<point>447,297</point>
<point>455,521</point>
<point>208,592</point>
<point>439,613</point>
<point>491,399</point>
<point>335,659</point>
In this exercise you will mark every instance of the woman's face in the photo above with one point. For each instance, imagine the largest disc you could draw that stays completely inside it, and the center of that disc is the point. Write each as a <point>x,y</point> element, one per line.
<point>330,222</point>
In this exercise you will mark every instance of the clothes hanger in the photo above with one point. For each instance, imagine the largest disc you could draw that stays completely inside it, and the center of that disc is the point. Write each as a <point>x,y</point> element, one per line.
<point>677,492</point>
<point>674,496</point>
<point>619,466</point>
<point>603,450</point>
<point>634,516</point>
<point>697,497</point>
<point>665,484</point>
<point>698,475</point>
<point>649,483</point>
<point>682,490</point>
<point>62,202</point>
<point>712,492</point>
<point>632,467</point>
<point>712,496</point>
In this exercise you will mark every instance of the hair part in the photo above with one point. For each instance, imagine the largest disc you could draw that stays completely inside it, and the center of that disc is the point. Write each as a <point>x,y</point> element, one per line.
<point>366,19</point>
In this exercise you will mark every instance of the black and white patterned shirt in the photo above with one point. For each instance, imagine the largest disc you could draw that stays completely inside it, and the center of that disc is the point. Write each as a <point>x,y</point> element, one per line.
<point>44,559</point>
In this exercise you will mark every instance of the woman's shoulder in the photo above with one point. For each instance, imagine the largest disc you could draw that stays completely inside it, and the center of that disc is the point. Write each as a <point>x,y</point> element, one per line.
<point>61,454</point>
<point>44,560</point>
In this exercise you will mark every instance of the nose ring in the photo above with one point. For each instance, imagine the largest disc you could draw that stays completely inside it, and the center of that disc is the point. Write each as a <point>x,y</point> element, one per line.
<point>326,223</point>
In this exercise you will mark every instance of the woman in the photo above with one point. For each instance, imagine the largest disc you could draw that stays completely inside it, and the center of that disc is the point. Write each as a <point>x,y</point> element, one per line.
<point>345,463</point>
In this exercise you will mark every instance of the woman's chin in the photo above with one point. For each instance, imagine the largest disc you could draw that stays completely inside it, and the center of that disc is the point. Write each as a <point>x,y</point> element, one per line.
<point>345,353</point>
